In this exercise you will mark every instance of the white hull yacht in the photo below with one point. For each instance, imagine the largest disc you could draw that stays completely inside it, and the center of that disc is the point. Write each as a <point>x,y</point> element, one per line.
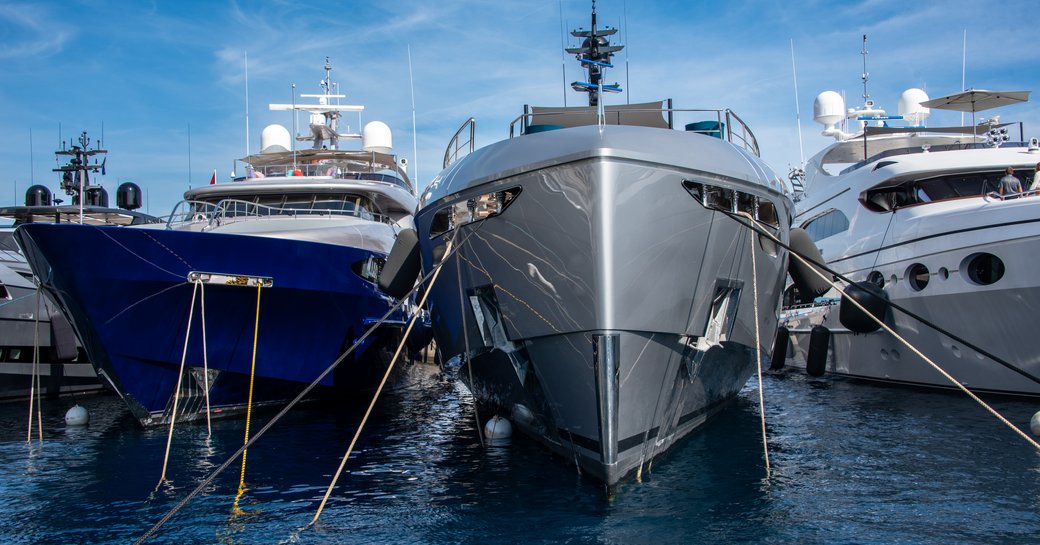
<point>917,219</point>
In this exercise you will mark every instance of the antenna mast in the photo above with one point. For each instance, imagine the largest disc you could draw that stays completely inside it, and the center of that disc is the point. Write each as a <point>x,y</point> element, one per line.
<point>866,75</point>
<point>797,109</point>
<point>595,53</point>
<point>415,146</point>
<point>563,59</point>
<point>246,63</point>
<point>75,179</point>
<point>628,84</point>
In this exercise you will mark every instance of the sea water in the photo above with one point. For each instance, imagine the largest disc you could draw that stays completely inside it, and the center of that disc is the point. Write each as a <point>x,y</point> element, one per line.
<point>849,462</point>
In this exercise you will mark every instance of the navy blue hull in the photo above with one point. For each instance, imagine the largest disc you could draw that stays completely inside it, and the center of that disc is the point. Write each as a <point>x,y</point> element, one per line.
<point>128,294</point>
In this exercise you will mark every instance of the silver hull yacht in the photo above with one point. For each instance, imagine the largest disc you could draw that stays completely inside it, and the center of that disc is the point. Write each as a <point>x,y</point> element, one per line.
<point>600,285</point>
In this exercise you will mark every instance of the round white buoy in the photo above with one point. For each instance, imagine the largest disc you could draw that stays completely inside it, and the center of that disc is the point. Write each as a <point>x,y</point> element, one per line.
<point>498,428</point>
<point>77,416</point>
<point>1034,423</point>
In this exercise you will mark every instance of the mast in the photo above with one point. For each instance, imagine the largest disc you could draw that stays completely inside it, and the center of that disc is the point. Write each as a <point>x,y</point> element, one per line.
<point>595,53</point>
<point>324,119</point>
<point>866,75</point>
<point>75,177</point>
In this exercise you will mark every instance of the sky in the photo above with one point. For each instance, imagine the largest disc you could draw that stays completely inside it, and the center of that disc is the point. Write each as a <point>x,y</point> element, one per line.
<point>165,82</point>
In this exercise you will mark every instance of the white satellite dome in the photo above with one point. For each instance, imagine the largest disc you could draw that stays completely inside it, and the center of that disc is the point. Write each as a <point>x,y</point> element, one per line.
<point>275,138</point>
<point>828,109</point>
<point>376,137</point>
<point>910,107</point>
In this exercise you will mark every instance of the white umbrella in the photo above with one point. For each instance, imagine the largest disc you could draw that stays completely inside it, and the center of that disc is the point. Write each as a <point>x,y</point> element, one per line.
<point>976,100</point>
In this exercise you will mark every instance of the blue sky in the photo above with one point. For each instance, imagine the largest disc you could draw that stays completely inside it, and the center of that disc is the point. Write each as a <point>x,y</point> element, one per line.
<point>145,71</point>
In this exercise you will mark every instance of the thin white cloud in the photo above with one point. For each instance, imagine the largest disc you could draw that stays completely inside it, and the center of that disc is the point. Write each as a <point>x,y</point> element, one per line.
<point>31,31</point>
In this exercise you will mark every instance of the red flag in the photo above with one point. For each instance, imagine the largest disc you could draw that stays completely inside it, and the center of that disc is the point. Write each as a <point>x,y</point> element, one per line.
<point>213,180</point>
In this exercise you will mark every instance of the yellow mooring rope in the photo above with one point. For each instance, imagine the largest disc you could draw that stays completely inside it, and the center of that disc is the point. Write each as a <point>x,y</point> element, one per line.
<point>249,401</point>
<point>299,396</point>
<point>177,390</point>
<point>205,356</point>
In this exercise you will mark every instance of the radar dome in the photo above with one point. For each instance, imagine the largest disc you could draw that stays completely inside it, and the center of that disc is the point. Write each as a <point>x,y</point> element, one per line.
<point>376,137</point>
<point>97,196</point>
<point>275,138</point>
<point>128,196</point>
<point>828,109</point>
<point>38,195</point>
<point>910,107</point>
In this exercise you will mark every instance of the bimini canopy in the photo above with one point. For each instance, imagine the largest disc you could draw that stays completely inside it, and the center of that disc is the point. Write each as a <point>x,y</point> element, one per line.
<point>647,114</point>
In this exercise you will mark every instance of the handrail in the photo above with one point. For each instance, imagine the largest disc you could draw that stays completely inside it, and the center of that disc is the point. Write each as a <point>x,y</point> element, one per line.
<point>186,213</point>
<point>207,215</point>
<point>731,127</point>
<point>746,137</point>
<point>336,170</point>
<point>932,148</point>
<point>451,154</point>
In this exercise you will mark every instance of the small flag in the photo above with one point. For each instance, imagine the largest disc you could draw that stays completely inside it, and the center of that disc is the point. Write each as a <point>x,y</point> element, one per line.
<point>213,180</point>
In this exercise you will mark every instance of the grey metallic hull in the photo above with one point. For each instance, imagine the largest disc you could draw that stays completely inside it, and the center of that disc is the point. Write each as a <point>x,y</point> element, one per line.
<point>63,367</point>
<point>605,311</point>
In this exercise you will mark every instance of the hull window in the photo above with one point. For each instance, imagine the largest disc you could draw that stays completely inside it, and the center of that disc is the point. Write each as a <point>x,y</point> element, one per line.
<point>984,269</point>
<point>918,276</point>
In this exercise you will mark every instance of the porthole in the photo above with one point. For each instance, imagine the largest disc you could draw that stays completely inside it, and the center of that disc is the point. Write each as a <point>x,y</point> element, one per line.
<point>876,278</point>
<point>984,269</point>
<point>944,273</point>
<point>917,275</point>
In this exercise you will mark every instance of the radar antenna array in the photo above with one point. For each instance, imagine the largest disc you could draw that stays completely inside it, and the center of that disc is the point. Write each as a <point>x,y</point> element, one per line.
<point>595,53</point>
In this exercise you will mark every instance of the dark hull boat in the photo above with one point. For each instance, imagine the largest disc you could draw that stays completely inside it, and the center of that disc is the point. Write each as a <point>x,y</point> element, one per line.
<point>259,283</point>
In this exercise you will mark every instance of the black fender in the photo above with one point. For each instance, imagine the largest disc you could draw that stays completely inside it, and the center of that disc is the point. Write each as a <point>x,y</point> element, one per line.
<point>398,275</point>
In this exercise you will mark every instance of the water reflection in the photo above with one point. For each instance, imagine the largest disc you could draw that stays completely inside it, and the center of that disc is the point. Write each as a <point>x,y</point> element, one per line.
<point>850,462</point>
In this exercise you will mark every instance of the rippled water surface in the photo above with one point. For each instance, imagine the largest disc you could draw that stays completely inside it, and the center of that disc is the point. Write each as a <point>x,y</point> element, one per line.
<point>851,463</point>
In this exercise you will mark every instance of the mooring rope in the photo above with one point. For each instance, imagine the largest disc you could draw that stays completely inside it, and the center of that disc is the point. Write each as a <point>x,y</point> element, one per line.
<point>927,360</point>
<point>904,310</point>
<point>465,344</point>
<point>205,355</point>
<point>817,267</point>
<point>758,350</point>
<point>379,390</point>
<point>249,399</point>
<point>177,390</point>
<point>303,393</point>
<point>34,380</point>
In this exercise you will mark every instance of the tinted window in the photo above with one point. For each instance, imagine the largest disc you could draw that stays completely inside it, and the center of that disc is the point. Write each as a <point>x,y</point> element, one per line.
<point>829,224</point>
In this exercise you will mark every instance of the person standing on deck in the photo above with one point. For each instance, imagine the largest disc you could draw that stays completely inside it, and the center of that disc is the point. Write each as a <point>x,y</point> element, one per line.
<point>1009,185</point>
<point>1036,179</point>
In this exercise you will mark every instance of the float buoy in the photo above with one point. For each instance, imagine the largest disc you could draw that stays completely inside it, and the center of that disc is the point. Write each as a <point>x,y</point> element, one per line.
<point>77,416</point>
<point>1034,423</point>
<point>498,428</point>
<point>780,348</point>
<point>872,298</point>
<point>819,343</point>
<point>810,284</point>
